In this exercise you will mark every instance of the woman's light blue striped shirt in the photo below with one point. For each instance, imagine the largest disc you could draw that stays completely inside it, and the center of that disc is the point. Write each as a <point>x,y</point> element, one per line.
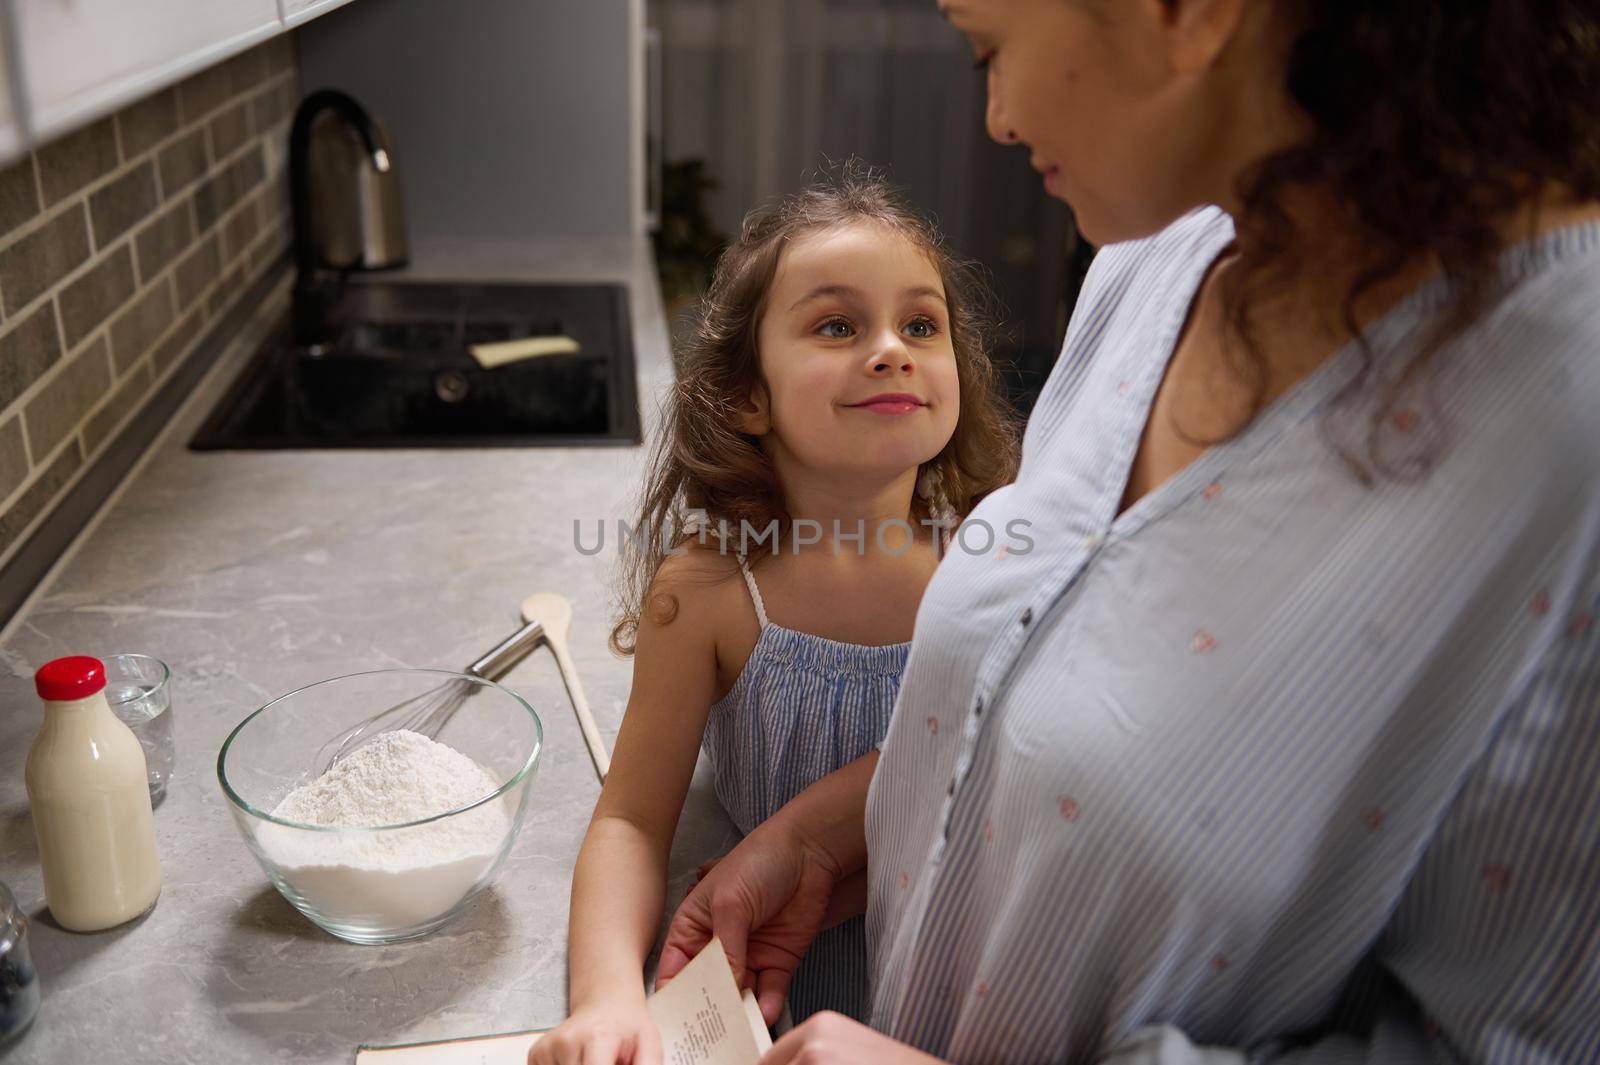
<point>1276,762</point>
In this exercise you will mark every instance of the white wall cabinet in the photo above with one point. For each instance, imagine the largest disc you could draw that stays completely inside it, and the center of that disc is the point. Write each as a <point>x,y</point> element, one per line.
<point>13,141</point>
<point>68,62</point>
<point>297,11</point>
<point>84,58</point>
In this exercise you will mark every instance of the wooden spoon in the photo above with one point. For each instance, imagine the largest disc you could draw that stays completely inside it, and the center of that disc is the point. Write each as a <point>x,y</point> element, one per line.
<point>554,613</point>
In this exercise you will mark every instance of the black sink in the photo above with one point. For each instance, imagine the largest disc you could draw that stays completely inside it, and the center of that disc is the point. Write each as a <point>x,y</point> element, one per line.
<point>395,372</point>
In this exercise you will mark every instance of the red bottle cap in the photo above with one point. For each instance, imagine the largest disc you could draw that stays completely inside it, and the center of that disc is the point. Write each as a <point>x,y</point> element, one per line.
<point>73,677</point>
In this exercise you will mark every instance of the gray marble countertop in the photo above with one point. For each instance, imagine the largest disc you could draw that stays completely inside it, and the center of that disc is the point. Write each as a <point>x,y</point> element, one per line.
<point>253,573</point>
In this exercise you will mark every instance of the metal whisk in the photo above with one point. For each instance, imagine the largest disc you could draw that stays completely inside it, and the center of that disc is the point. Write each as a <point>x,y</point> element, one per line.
<point>429,712</point>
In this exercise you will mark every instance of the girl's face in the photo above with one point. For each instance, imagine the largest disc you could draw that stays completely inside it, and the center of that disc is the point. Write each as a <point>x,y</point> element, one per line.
<point>856,358</point>
<point>1124,105</point>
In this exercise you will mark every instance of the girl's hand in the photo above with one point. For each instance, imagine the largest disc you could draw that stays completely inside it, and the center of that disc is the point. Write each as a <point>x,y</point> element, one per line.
<point>608,1033</point>
<point>834,1039</point>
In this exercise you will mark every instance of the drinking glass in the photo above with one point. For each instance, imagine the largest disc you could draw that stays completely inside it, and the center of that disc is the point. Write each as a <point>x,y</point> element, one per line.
<point>140,693</point>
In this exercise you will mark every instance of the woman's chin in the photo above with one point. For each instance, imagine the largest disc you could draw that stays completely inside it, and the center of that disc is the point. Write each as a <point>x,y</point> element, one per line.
<point>1094,228</point>
<point>1101,228</point>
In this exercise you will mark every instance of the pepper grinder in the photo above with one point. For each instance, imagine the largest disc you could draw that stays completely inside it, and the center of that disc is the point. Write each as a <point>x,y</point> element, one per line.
<point>19,981</point>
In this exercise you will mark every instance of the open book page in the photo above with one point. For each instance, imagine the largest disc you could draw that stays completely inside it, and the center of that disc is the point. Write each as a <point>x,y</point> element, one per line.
<point>509,1049</point>
<point>704,1020</point>
<point>703,1017</point>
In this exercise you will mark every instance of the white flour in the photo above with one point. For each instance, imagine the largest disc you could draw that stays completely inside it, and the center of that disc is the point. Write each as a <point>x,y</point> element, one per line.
<point>389,879</point>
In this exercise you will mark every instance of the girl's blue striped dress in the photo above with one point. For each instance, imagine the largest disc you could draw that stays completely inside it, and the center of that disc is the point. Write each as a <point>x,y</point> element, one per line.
<point>803,707</point>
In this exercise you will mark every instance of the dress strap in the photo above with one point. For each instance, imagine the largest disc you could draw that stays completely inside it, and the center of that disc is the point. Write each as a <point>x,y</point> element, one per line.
<point>755,593</point>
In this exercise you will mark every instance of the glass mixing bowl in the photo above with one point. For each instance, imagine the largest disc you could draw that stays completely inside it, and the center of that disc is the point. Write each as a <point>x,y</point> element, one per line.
<point>391,882</point>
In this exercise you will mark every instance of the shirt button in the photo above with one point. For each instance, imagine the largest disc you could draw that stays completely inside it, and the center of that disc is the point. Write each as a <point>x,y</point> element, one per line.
<point>1091,542</point>
<point>1027,617</point>
<point>977,708</point>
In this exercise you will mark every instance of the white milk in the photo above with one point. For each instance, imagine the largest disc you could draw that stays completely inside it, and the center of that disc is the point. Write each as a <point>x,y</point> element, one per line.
<point>91,807</point>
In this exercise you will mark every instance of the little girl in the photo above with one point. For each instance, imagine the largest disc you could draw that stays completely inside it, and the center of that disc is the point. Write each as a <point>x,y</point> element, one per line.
<point>834,415</point>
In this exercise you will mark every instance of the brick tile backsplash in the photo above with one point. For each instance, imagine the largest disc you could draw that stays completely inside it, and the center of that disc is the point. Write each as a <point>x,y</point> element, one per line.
<point>172,349</point>
<point>34,264</point>
<point>27,352</point>
<point>137,329</point>
<point>60,407</point>
<point>88,301</point>
<point>117,206</point>
<point>230,129</point>
<point>19,194</point>
<point>164,240</point>
<point>68,164</point>
<point>13,456</point>
<point>202,93</point>
<point>121,243</point>
<point>278,54</point>
<point>274,104</point>
<point>239,232</point>
<point>134,387</point>
<point>148,122</point>
<point>36,499</point>
<point>196,272</point>
<point>244,71</point>
<point>218,193</point>
<point>182,162</point>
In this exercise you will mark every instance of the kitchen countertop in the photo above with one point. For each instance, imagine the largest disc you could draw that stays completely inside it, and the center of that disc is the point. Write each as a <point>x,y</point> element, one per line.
<point>252,573</point>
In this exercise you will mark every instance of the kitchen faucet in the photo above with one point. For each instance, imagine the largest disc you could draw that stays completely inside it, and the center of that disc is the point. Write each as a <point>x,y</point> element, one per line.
<point>369,231</point>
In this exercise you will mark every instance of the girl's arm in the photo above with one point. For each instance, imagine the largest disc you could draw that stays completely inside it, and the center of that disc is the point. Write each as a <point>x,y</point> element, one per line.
<point>619,886</point>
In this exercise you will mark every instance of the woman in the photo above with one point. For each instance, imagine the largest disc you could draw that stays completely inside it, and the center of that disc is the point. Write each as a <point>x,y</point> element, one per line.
<point>1284,740</point>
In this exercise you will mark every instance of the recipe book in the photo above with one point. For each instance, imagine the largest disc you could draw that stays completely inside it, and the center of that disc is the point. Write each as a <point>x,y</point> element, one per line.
<point>703,1017</point>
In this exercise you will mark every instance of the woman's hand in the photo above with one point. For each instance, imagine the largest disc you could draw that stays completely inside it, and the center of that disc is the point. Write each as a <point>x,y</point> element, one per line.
<point>766,900</point>
<point>768,897</point>
<point>620,1032</point>
<point>849,898</point>
<point>834,1039</point>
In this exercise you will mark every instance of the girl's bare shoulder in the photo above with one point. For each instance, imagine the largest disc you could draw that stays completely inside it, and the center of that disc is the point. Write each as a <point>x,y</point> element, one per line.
<point>697,583</point>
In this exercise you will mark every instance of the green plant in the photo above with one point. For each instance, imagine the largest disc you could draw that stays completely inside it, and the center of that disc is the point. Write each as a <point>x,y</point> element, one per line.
<point>686,243</point>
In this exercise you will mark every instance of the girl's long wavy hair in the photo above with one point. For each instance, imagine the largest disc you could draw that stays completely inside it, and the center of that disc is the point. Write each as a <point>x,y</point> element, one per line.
<point>703,462</point>
<point>1431,123</point>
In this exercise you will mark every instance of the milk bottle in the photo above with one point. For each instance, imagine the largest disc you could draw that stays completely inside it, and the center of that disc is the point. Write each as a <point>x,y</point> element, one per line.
<point>91,803</point>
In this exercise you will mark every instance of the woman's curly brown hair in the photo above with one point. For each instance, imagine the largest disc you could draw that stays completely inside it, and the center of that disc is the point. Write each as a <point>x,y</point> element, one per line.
<point>1431,122</point>
<point>704,462</point>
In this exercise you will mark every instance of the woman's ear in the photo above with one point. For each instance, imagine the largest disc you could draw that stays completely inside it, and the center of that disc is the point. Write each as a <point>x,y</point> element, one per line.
<point>755,413</point>
<point>1196,32</point>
